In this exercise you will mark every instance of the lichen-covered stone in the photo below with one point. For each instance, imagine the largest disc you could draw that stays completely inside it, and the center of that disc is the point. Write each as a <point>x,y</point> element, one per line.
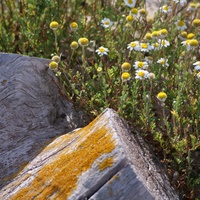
<point>100,161</point>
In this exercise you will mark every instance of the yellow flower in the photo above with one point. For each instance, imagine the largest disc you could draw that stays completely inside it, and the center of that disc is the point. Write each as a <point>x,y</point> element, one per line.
<point>148,36</point>
<point>83,41</point>
<point>196,22</point>
<point>150,20</point>
<point>54,25</point>
<point>193,43</point>
<point>125,76</point>
<point>53,65</point>
<point>163,33</point>
<point>73,26</point>
<point>155,34</point>
<point>56,58</point>
<point>162,96</point>
<point>74,45</point>
<point>183,35</point>
<point>143,11</point>
<point>129,18</point>
<point>99,69</point>
<point>190,36</point>
<point>134,11</point>
<point>126,66</point>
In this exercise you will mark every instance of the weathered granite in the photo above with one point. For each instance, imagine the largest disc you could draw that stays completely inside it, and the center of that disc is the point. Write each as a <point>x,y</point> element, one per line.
<point>32,111</point>
<point>103,160</point>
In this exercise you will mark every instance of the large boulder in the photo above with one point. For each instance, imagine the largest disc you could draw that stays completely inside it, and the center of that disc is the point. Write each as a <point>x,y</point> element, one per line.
<point>104,160</point>
<point>33,111</point>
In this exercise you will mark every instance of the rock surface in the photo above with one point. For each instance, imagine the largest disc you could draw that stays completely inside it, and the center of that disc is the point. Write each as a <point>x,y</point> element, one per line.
<point>32,112</point>
<point>103,160</point>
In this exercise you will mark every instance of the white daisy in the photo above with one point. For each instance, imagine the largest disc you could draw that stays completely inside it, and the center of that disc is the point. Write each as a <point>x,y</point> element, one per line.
<point>163,43</point>
<point>156,46</point>
<point>145,47</point>
<point>163,62</point>
<point>106,23</point>
<point>190,44</point>
<point>166,9</point>
<point>130,3</point>
<point>181,25</point>
<point>134,46</point>
<point>191,7</point>
<point>197,65</point>
<point>102,51</point>
<point>183,35</point>
<point>140,65</point>
<point>141,74</point>
<point>148,59</point>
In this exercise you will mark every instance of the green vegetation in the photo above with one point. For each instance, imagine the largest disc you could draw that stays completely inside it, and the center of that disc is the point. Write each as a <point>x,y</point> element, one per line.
<point>111,54</point>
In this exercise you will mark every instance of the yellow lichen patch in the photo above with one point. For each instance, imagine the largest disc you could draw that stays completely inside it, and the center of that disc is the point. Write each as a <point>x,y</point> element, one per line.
<point>115,177</point>
<point>108,162</point>
<point>59,178</point>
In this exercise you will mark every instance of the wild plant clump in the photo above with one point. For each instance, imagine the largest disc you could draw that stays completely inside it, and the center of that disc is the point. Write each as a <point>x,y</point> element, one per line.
<point>114,54</point>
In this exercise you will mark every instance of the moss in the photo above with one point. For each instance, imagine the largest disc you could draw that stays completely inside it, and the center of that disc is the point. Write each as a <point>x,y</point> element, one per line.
<point>108,162</point>
<point>59,178</point>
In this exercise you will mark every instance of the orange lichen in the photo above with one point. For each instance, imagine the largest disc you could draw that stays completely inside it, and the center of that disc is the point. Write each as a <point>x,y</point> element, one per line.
<point>108,162</point>
<point>59,178</point>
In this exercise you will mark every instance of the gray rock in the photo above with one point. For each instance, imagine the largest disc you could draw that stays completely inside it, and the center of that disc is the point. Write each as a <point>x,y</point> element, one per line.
<point>32,111</point>
<point>103,160</point>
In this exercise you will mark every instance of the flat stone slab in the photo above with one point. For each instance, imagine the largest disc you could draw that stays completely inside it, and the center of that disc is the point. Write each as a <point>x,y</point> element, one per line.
<point>103,160</point>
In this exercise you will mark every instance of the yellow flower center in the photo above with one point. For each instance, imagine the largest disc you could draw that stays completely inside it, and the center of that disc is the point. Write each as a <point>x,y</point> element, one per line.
<point>106,22</point>
<point>140,64</point>
<point>54,25</point>
<point>56,59</point>
<point>125,76</point>
<point>156,44</point>
<point>133,44</point>
<point>126,66</point>
<point>130,1</point>
<point>99,69</point>
<point>53,65</point>
<point>141,73</point>
<point>148,36</point>
<point>163,42</point>
<point>193,43</point>
<point>74,25</point>
<point>184,34</point>
<point>143,11</point>
<point>101,49</point>
<point>74,45</point>
<point>190,35</point>
<point>162,62</point>
<point>162,95</point>
<point>134,11</point>
<point>155,33</point>
<point>163,32</point>
<point>196,22</point>
<point>83,41</point>
<point>181,23</point>
<point>192,5</point>
<point>144,45</point>
<point>165,8</point>
<point>129,18</point>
